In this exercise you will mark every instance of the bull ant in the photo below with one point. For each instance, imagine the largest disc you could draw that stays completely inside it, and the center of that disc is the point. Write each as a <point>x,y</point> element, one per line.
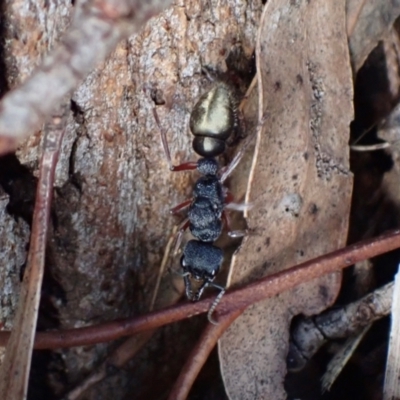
<point>213,122</point>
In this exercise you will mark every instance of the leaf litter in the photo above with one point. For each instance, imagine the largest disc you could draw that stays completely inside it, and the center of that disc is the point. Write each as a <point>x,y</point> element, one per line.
<point>300,185</point>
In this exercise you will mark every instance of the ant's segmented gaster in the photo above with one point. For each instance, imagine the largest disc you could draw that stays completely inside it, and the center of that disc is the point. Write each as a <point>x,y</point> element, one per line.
<point>213,123</point>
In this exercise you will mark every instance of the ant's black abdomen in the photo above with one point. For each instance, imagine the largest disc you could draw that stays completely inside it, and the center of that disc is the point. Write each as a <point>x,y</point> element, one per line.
<point>213,120</point>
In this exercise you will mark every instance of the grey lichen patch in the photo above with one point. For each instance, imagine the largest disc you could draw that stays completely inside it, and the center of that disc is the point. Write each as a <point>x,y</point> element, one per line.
<point>326,165</point>
<point>291,204</point>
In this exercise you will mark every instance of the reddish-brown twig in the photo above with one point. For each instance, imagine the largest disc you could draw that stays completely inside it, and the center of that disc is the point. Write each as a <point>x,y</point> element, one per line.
<point>199,355</point>
<point>234,300</point>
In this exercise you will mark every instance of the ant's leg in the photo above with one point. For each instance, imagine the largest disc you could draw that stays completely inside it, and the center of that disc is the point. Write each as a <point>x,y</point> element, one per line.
<point>215,302</point>
<point>231,233</point>
<point>182,228</point>
<point>196,297</point>
<point>228,196</point>
<point>239,155</point>
<point>235,161</point>
<point>187,166</point>
<point>237,234</point>
<point>226,220</point>
<point>188,287</point>
<point>177,240</point>
<point>229,205</point>
<point>180,207</point>
<point>241,207</point>
<point>182,167</point>
<point>200,291</point>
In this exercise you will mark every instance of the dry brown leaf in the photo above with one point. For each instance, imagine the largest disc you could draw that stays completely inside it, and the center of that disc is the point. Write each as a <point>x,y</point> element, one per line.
<point>300,185</point>
<point>369,21</point>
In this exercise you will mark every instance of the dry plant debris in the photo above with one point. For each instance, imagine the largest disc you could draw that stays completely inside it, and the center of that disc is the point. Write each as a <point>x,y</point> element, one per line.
<point>311,333</point>
<point>14,372</point>
<point>109,220</point>
<point>391,389</point>
<point>300,184</point>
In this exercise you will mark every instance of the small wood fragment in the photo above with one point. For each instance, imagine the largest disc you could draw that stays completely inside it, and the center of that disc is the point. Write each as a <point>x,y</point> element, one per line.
<point>311,333</point>
<point>391,388</point>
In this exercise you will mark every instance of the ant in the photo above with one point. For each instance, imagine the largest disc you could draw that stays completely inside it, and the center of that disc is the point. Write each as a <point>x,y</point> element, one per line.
<point>214,123</point>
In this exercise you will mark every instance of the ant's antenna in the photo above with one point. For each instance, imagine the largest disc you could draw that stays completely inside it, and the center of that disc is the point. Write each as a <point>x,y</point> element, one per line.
<point>215,303</point>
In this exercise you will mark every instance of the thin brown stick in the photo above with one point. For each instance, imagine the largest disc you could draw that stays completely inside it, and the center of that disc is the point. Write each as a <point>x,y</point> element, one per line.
<point>15,369</point>
<point>96,29</point>
<point>236,299</point>
<point>199,355</point>
<point>164,262</point>
<point>311,333</point>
